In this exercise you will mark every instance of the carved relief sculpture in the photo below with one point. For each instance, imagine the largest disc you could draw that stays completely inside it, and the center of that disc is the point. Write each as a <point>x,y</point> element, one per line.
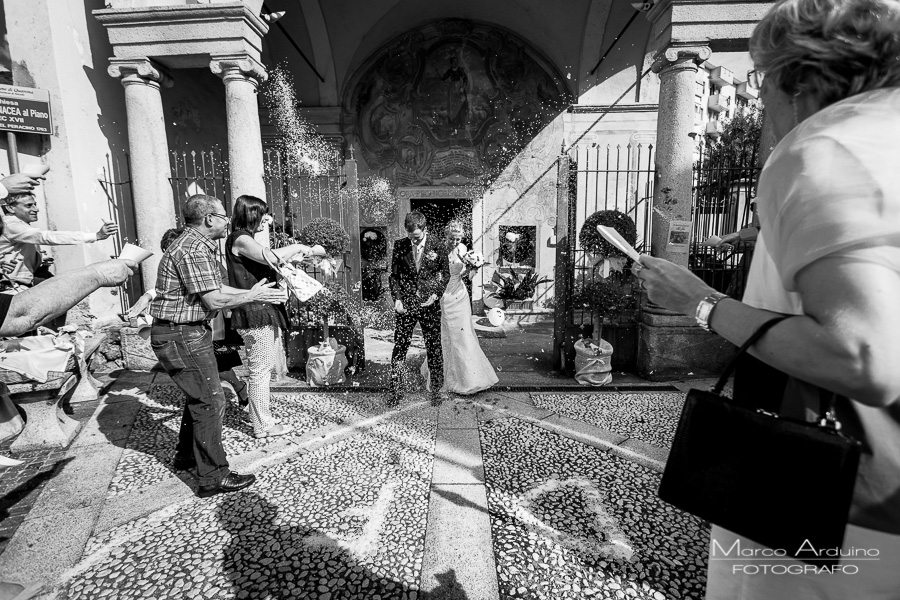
<point>452,103</point>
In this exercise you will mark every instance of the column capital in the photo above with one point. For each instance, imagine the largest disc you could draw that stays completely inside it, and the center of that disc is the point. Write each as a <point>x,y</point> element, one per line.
<point>243,66</point>
<point>677,58</point>
<point>138,69</point>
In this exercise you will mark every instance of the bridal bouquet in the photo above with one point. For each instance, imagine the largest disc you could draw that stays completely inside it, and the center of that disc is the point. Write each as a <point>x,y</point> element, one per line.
<point>473,261</point>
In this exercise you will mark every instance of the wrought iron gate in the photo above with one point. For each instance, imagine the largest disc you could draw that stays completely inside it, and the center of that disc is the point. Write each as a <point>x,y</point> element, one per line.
<point>600,178</point>
<point>294,198</point>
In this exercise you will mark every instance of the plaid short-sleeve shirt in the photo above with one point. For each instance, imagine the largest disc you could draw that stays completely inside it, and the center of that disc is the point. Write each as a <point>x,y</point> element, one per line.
<point>187,270</point>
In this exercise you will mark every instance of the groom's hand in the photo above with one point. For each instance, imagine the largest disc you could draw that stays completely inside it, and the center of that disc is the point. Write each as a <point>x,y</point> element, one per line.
<point>398,307</point>
<point>431,300</point>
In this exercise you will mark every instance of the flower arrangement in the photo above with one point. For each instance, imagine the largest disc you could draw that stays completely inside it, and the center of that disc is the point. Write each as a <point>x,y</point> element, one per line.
<point>514,287</point>
<point>592,242</point>
<point>329,234</point>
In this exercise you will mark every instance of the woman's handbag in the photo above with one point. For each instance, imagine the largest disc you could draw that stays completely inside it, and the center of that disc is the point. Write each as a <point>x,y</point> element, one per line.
<point>784,483</point>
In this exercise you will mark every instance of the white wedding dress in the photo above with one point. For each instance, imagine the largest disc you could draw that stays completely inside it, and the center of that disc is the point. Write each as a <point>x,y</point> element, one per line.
<point>466,369</point>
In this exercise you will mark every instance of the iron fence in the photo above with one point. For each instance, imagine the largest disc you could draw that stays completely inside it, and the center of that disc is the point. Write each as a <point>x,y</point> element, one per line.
<point>294,199</point>
<point>115,179</point>
<point>203,172</point>
<point>609,178</point>
<point>724,186</point>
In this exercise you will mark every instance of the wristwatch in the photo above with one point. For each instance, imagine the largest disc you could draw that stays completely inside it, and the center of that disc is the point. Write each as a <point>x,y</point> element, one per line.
<point>705,308</point>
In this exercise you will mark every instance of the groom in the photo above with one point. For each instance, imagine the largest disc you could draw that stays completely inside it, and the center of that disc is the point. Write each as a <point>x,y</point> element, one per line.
<point>420,272</point>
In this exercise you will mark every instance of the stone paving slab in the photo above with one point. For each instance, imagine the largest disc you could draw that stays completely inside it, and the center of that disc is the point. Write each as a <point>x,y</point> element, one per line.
<point>457,457</point>
<point>459,562</point>
<point>570,521</point>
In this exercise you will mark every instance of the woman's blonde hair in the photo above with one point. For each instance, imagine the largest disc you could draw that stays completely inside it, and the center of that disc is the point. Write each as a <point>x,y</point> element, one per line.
<point>454,226</point>
<point>832,49</point>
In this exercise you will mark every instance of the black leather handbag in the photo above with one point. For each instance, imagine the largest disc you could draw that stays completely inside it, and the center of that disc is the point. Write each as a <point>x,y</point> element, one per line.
<point>784,483</point>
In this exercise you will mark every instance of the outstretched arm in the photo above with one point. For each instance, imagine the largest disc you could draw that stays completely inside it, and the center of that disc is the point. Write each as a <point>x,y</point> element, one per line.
<point>53,297</point>
<point>247,247</point>
<point>226,298</point>
<point>17,231</point>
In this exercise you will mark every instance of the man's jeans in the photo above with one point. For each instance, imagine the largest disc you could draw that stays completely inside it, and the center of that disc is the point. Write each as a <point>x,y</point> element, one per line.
<point>186,353</point>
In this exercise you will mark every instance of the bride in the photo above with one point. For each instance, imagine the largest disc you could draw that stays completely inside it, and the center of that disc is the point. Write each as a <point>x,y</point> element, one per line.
<point>466,369</point>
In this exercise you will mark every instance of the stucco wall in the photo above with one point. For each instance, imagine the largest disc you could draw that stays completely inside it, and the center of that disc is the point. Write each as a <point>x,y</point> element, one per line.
<point>57,45</point>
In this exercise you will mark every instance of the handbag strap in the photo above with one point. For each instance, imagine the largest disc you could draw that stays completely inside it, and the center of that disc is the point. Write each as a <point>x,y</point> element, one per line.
<point>732,364</point>
<point>827,399</point>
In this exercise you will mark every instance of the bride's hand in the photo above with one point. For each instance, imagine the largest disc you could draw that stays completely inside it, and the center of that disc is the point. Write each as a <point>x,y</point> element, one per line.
<point>431,300</point>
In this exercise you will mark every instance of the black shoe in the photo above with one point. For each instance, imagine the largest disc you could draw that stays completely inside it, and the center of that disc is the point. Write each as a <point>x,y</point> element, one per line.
<point>243,396</point>
<point>183,464</point>
<point>231,483</point>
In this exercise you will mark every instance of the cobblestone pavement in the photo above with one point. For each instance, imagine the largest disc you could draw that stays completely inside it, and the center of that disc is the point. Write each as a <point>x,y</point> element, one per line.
<point>649,417</point>
<point>342,509</point>
<point>570,521</point>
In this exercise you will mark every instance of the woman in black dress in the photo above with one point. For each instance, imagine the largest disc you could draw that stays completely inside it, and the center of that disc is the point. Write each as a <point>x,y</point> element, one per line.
<point>248,263</point>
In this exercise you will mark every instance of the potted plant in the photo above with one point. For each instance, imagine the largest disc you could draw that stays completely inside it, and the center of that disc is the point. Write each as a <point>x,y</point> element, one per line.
<point>332,302</point>
<point>604,298</point>
<point>511,287</point>
<point>607,257</point>
<point>329,234</point>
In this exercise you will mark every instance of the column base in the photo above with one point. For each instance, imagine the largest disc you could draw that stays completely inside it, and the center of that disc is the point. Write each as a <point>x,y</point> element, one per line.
<point>672,346</point>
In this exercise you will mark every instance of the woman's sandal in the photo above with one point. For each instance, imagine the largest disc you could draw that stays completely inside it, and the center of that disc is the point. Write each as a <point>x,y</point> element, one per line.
<point>243,395</point>
<point>280,429</point>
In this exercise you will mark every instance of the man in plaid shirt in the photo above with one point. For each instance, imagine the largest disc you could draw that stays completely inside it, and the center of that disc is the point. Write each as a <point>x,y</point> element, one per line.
<point>189,290</point>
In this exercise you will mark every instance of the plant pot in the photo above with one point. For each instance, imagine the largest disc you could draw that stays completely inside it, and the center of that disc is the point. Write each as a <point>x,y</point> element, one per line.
<point>326,365</point>
<point>300,340</point>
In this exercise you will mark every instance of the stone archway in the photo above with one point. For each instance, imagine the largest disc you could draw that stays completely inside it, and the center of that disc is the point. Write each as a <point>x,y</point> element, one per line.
<point>451,104</point>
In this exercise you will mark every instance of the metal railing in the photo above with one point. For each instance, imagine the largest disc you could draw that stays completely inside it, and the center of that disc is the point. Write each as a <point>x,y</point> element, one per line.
<point>115,179</point>
<point>724,187</point>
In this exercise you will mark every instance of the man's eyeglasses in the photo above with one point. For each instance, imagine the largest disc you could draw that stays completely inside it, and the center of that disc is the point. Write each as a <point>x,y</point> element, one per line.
<point>226,217</point>
<point>755,78</point>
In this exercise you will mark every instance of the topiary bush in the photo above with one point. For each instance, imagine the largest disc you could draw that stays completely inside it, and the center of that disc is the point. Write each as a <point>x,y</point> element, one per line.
<point>328,233</point>
<point>590,239</point>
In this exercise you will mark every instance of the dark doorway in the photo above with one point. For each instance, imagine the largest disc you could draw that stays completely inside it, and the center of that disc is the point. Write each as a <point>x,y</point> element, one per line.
<point>441,211</point>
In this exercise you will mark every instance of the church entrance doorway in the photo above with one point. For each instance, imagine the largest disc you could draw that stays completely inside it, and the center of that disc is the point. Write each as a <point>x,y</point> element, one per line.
<point>440,211</point>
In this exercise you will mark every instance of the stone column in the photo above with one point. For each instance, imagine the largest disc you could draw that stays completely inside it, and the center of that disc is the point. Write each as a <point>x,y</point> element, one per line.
<point>154,207</point>
<point>677,69</point>
<point>672,346</point>
<point>242,76</point>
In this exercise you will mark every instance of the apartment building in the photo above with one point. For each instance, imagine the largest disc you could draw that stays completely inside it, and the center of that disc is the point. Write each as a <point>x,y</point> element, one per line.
<point>718,95</point>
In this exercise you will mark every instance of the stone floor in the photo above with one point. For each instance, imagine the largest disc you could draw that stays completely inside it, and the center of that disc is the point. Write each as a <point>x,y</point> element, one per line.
<point>498,496</point>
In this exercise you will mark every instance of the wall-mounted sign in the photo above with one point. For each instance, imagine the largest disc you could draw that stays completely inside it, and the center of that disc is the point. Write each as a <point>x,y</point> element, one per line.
<point>679,237</point>
<point>25,109</point>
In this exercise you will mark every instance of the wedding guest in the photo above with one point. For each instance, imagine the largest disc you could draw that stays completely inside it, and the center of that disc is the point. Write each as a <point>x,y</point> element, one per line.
<point>189,290</point>
<point>828,252</point>
<point>249,262</point>
<point>227,356</point>
<point>22,242</point>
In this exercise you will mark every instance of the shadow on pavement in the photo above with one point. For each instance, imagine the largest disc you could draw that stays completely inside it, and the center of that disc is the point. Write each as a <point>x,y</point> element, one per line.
<point>261,560</point>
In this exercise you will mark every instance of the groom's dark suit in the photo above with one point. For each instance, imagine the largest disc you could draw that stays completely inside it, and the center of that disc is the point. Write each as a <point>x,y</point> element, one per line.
<point>413,286</point>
